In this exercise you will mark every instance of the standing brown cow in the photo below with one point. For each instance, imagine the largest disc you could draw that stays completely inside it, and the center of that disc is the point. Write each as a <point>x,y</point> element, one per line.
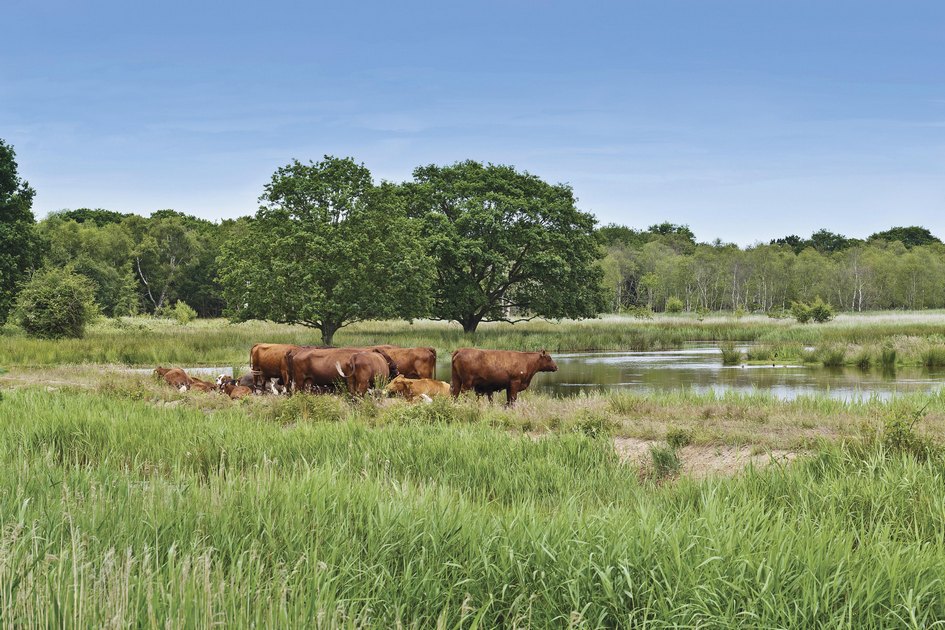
<point>265,359</point>
<point>488,371</point>
<point>412,362</point>
<point>365,369</point>
<point>313,369</point>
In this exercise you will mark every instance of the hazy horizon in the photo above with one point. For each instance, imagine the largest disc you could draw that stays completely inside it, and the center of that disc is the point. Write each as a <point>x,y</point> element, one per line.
<point>746,121</point>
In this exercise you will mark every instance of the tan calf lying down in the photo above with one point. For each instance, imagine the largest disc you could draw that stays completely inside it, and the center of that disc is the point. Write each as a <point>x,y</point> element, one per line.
<point>418,388</point>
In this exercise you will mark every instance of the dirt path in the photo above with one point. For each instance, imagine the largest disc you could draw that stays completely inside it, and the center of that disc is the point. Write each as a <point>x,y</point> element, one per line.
<point>700,461</point>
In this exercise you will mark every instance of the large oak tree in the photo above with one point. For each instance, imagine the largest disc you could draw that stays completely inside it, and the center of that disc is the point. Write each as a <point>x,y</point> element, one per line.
<point>507,245</point>
<point>327,248</point>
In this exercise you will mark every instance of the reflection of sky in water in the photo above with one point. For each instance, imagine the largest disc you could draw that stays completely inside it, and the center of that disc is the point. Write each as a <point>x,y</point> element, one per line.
<point>700,369</point>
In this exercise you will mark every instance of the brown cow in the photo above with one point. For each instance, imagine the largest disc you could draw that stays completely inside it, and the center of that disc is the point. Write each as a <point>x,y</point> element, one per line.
<point>365,369</point>
<point>313,369</point>
<point>233,389</point>
<point>265,359</point>
<point>488,371</point>
<point>413,388</point>
<point>412,362</point>
<point>175,377</point>
<point>201,385</point>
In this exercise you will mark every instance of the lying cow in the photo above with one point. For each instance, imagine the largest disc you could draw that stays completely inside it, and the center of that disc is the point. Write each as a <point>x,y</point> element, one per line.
<point>175,377</point>
<point>413,388</point>
<point>232,388</point>
<point>489,371</point>
<point>201,385</point>
<point>365,369</point>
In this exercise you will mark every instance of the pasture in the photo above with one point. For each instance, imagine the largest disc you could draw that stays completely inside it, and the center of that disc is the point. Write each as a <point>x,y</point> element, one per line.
<point>126,502</point>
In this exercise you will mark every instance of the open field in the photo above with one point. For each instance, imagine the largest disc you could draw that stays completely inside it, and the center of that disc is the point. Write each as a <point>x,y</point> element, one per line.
<point>125,502</point>
<point>917,337</point>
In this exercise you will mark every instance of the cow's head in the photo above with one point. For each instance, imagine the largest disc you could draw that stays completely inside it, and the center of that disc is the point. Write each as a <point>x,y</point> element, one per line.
<point>397,386</point>
<point>161,371</point>
<point>392,371</point>
<point>221,380</point>
<point>546,363</point>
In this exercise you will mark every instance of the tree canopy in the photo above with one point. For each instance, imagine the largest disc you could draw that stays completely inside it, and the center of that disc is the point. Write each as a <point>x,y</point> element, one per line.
<point>327,248</point>
<point>507,246</point>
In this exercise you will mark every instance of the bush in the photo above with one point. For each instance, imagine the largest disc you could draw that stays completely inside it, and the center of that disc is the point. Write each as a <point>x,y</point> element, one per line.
<point>818,311</point>
<point>665,461</point>
<point>56,303</point>
<point>800,312</point>
<point>674,305</point>
<point>821,312</point>
<point>183,313</point>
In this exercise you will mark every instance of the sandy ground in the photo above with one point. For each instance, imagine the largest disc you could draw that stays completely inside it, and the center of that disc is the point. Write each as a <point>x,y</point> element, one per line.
<point>700,461</point>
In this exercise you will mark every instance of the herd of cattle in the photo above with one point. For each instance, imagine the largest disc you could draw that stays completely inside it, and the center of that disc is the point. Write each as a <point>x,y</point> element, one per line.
<point>409,372</point>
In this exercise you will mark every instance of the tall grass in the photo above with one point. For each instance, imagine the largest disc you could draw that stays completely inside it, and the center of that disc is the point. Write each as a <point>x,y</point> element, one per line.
<point>118,513</point>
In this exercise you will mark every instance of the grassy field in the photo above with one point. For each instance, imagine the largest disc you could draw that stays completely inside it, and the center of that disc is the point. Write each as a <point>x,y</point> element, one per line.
<point>915,338</point>
<point>119,512</point>
<point>124,502</point>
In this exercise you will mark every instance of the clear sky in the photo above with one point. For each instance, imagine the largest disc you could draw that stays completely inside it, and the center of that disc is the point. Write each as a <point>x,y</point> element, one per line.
<point>747,120</point>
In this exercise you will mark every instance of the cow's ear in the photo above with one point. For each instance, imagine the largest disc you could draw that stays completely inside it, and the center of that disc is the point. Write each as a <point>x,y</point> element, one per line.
<point>544,352</point>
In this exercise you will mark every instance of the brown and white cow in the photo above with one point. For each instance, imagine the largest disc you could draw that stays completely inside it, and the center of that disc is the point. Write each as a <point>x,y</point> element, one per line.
<point>313,369</point>
<point>233,388</point>
<point>417,388</point>
<point>489,371</point>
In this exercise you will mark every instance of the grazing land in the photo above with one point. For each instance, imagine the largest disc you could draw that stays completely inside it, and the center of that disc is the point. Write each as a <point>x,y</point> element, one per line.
<point>126,502</point>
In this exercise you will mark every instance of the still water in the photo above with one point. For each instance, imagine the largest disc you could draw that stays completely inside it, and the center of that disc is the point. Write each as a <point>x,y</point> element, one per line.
<point>700,368</point>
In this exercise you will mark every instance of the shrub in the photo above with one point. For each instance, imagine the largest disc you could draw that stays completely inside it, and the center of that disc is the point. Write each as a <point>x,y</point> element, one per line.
<point>818,311</point>
<point>183,313</point>
<point>56,303</point>
<point>821,311</point>
<point>934,356</point>
<point>899,435</point>
<point>674,305</point>
<point>800,312</point>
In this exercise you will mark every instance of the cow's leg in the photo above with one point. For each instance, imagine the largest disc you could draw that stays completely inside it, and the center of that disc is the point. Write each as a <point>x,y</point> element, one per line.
<point>489,396</point>
<point>455,386</point>
<point>511,394</point>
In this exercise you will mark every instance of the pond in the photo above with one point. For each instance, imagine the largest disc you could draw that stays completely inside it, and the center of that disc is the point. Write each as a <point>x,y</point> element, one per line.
<point>699,367</point>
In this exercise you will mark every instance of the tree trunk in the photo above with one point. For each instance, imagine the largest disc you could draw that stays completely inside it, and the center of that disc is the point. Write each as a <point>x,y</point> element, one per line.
<point>470,323</point>
<point>328,333</point>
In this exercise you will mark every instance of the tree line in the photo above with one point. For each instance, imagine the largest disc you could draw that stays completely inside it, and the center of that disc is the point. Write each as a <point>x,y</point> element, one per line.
<point>664,268</point>
<point>467,242</point>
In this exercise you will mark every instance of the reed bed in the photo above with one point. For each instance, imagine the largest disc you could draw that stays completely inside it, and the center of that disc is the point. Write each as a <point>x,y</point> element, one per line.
<point>116,512</point>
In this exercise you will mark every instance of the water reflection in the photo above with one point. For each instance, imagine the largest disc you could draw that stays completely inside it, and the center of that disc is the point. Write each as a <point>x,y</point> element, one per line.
<point>700,368</point>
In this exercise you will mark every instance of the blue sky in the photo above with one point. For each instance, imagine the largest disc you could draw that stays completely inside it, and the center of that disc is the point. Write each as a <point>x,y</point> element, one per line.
<point>746,120</point>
